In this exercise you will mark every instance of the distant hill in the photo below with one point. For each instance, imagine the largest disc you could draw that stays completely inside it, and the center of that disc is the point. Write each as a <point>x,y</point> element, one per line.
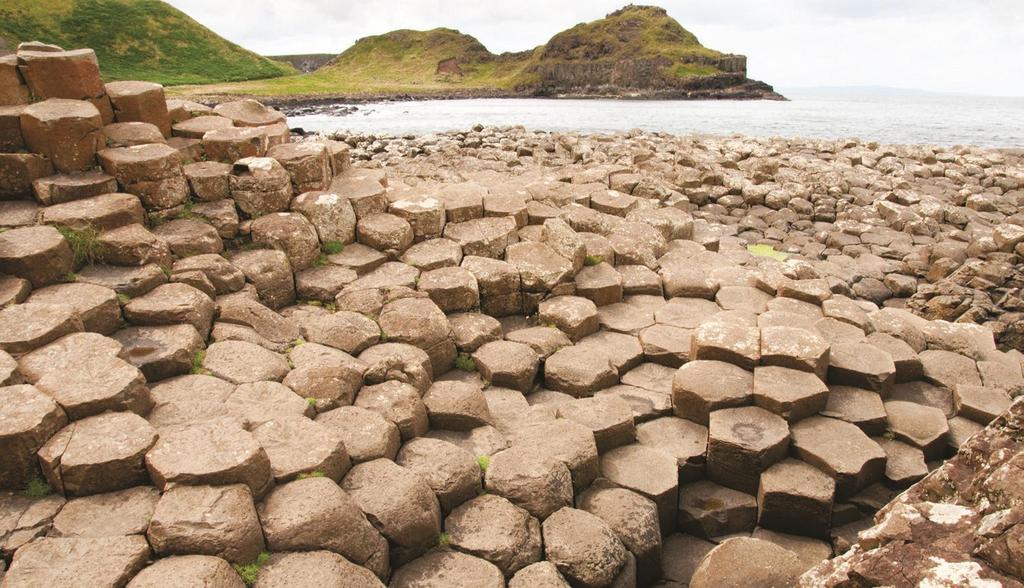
<point>135,39</point>
<point>636,51</point>
<point>305,63</point>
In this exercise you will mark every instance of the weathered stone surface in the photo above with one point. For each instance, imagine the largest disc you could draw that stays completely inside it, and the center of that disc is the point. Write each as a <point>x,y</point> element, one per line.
<point>610,418</point>
<point>213,452</point>
<point>743,561</point>
<point>862,366</point>
<point>200,570</point>
<point>314,568</point>
<point>684,440</point>
<point>399,403</point>
<point>399,503</point>
<point>113,514</point>
<point>708,510</point>
<point>151,171</point>
<point>98,454</point>
<point>248,113</point>
<point>207,520</point>
<point>583,547</point>
<point>923,427</point>
<point>104,383</point>
<point>444,569</point>
<point>450,471</point>
<point>492,528</point>
<point>101,213</point>
<point>727,340</point>
<point>290,233</point>
<point>702,387</point>
<point>797,498</point>
<point>536,482</point>
<point>308,164</point>
<point>634,520</point>
<point>259,185</point>
<point>65,131</point>
<point>789,393</point>
<point>295,445</point>
<point>857,406</point>
<point>37,254</point>
<point>95,561</point>
<point>331,214</point>
<point>270,272</point>
<point>240,362</point>
<point>647,472</point>
<point>542,574</point>
<point>579,371</point>
<point>841,450</point>
<point>452,288</point>
<point>28,418</point>
<point>313,514</point>
<point>60,188</point>
<point>419,322</point>
<point>566,441</point>
<point>742,443</point>
<point>172,304</point>
<point>507,364</point>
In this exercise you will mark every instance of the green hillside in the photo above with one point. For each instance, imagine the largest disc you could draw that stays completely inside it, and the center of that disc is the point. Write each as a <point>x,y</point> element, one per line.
<point>136,39</point>
<point>442,60</point>
<point>634,32</point>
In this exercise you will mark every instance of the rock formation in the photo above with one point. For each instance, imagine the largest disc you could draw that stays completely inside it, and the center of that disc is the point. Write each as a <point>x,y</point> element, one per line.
<point>495,357</point>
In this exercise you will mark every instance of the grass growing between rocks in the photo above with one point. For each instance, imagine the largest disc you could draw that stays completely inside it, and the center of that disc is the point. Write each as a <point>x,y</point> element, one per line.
<point>136,39</point>
<point>484,461</point>
<point>592,260</point>
<point>37,488</point>
<point>332,247</point>
<point>197,363</point>
<point>313,474</point>
<point>249,573</point>
<point>85,244</point>
<point>444,540</point>
<point>465,363</point>
<point>767,251</point>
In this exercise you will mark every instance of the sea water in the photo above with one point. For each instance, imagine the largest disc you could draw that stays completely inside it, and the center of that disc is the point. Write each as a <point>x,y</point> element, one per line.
<point>938,120</point>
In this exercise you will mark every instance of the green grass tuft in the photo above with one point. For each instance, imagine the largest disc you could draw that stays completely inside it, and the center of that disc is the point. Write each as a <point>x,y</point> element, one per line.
<point>85,245</point>
<point>197,362</point>
<point>321,260</point>
<point>332,247</point>
<point>592,260</point>
<point>444,540</point>
<point>70,277</point>
<point>250,572</point>
<point>123,299</point>
<point>37,488</point>
<point>313,474</point>
<point>311,401</point>
<point>465,363</point>
<point>767,251</point>
<point>136,40</point>
<point>484,461</point>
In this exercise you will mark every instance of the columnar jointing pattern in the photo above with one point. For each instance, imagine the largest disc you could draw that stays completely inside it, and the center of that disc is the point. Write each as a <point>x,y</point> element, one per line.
<point>496,357</point>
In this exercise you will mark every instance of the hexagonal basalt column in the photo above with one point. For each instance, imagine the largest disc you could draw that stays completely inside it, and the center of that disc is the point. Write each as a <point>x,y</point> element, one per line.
<point>742,443</point>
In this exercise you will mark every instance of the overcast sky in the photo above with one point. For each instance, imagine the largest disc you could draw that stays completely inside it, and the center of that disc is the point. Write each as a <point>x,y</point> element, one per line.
<point>966,46</point>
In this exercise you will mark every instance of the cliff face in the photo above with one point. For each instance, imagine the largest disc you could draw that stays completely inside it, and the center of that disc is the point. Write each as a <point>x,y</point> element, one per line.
<point>963,525</point>
<point>638,51</point>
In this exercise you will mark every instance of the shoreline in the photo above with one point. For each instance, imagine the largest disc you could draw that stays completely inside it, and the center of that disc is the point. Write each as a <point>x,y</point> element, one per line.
<point>289,104</point>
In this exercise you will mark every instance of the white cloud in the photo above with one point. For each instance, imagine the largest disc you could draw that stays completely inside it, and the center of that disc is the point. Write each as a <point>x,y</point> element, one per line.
<point>944,45</point>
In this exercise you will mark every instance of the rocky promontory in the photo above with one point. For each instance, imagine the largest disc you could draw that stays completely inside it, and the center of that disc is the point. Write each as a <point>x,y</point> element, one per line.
<point>231,355</point>
<point>637,52</point>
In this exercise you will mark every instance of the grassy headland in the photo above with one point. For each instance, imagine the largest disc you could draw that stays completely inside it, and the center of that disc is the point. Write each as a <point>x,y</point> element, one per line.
<point>447,62</point>
<point>136,39</point>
